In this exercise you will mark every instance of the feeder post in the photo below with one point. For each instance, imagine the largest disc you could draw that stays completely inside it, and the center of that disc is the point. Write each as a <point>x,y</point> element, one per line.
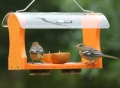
<point>17,55</point>
<point>91,36</point>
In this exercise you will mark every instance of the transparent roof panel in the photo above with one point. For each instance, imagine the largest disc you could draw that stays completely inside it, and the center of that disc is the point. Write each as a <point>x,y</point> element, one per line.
<point>57,20</point>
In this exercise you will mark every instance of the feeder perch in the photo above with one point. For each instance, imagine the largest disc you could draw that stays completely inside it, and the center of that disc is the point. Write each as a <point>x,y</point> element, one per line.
<point>17,23</point>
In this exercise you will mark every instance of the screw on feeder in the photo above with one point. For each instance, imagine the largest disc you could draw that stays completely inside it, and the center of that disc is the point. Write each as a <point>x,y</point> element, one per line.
<point>26,7</point>
<point>17,66</point>
<point>86,11</point>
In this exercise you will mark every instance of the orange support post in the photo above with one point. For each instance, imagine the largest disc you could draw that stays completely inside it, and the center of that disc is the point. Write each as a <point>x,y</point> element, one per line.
<point>91,36</point>
<point>17,53</point>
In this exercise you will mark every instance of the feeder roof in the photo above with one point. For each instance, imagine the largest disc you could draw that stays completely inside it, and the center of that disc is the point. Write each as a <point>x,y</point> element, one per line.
<point>58,20</point>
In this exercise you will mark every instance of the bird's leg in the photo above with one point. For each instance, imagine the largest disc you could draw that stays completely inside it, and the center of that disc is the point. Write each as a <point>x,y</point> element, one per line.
<point>94,62</point>
<point>42,63</point>
<point>87,63</point>
<point>32,61</point>
<point>90,61</point>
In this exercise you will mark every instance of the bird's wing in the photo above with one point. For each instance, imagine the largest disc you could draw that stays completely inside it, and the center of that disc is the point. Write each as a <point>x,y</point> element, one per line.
<point>92,52</point>
<point>33,49</point>
<point>86,52</point>
<point>97,53</point>
<point>36,49</point>
<point>40,50</point>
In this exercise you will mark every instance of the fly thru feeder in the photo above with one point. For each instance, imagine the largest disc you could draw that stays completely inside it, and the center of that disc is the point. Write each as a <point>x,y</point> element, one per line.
<point>17,22</point>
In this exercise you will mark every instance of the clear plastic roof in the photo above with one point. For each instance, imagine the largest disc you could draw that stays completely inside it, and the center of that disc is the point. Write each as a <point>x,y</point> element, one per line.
<point>57,20</point>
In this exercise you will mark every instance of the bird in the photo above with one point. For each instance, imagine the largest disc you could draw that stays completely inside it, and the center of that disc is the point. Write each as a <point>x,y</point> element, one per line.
<point>90,53</point>
<point>36,52</point>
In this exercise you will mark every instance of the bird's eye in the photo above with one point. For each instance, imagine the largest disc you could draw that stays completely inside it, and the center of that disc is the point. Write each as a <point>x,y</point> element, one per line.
<point>80,45</point>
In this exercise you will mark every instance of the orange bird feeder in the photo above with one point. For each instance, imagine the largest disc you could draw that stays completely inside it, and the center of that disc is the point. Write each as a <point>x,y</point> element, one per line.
<point>18,22</point>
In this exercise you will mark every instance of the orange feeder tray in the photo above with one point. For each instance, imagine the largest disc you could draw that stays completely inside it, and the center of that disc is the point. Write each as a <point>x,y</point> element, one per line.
<point>18,22</point>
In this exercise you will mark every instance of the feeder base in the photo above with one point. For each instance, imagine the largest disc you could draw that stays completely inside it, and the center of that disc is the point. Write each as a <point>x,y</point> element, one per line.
<point>39,72</point>
<point>71,71</point>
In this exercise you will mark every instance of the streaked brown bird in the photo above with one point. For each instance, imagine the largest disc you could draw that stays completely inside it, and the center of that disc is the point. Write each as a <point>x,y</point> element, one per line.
<point>91,54</point>
<point>36,52</point>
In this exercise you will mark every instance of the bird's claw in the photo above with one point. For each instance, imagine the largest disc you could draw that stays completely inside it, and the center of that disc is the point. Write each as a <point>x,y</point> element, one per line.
<point>32,62</point>
<point>91,62</point>
<point>86,64</point>
<point>94,63</point>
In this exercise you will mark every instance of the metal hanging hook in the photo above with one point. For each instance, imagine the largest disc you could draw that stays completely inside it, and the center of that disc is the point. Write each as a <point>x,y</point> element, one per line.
<point>26,7</point>
<point>86,11</point>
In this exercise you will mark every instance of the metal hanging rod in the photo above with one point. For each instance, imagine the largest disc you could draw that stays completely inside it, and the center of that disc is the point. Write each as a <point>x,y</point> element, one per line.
<point>26,7</point>
<point>86,11</point>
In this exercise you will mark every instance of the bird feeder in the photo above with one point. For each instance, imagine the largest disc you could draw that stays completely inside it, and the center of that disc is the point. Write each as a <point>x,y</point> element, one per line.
<point>18,22</point>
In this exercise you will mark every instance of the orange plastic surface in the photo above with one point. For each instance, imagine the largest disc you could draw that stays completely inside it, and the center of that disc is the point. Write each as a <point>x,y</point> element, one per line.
<point>17,53</point>
<point>69,65</point>
<point>47,58</point>
<point>60,57</point>
<point>91,36</point>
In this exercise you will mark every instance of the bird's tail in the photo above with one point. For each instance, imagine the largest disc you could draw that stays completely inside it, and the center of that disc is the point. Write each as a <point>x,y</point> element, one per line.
<point>110,56</point>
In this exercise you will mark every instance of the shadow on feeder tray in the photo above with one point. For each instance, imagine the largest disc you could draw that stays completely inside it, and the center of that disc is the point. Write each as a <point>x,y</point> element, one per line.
<point>39,72</point>
<point>71,71</point>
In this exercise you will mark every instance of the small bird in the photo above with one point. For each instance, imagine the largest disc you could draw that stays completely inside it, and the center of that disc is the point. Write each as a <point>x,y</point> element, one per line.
<point>36,52</point>
<point>91,54</point>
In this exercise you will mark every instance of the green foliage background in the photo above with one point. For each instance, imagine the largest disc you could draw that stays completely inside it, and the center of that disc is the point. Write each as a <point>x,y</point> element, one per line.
<point>64,40</point>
